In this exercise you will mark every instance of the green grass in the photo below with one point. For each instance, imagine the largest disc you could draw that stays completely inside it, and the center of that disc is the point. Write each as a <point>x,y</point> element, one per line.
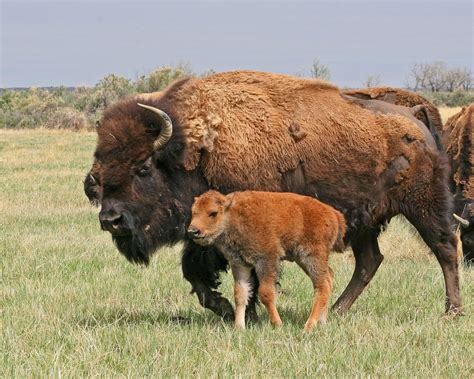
<point>72,306</point>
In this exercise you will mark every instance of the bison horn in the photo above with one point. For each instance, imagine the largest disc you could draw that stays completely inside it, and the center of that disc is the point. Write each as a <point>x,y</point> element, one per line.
<point>166,126</point>
<point>464,223</point>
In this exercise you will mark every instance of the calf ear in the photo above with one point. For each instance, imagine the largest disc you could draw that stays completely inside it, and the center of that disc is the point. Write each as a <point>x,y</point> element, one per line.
<point>229,200</point>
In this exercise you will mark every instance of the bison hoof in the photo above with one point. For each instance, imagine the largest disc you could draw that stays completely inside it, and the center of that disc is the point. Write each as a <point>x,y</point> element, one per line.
<point>454,311</point>
<point>251,315</point>
<point>225,310</point>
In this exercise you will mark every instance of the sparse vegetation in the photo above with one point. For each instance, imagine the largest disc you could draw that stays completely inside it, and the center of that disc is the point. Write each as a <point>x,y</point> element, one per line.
<point>82,107</point>
<point>71,306</point>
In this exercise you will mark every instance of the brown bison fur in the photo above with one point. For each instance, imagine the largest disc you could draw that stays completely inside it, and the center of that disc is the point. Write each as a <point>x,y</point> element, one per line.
<point>378,106</point>
<point>248,130</point>
<point>458,139</point>
<point>402,97</point>
<point>257,230</point>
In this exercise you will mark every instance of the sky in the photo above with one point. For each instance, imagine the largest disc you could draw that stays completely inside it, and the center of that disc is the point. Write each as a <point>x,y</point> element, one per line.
<point>72,43</point>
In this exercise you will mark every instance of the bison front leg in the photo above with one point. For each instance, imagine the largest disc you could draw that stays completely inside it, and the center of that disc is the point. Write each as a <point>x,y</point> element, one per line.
<point>368,259</point>
<point>201,267</point>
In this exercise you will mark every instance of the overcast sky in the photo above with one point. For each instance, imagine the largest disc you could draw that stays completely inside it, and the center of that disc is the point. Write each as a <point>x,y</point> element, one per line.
<point>78,42</point>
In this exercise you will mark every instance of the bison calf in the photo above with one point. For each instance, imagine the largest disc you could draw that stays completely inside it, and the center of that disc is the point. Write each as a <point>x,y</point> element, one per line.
<point>257,230</point>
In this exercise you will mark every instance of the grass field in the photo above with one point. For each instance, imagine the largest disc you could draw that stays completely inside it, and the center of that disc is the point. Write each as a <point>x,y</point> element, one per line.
<point>448,112</point>
<point>72,306</point>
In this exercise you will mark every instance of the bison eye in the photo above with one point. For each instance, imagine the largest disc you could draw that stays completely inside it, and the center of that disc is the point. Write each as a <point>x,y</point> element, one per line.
<point>145,169</point>
<point>213,214</point>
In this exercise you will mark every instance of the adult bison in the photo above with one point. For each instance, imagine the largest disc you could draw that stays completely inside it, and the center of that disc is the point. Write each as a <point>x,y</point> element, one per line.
<point>398,96</point>
<point>250,130</point>
<point>458,139</point>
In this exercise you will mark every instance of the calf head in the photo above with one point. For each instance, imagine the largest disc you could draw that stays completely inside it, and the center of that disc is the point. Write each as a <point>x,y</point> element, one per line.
<point>209,217</point>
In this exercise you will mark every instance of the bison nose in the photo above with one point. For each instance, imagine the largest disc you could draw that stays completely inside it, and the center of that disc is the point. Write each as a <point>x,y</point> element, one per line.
<point>193,232</point>
<point>112,222</point>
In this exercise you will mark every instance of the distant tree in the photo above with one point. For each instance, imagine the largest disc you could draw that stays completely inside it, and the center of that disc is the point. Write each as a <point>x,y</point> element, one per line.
<point>466,79</point>
<point>208,73</point>
<point>418,75</point>
<point>436,76</point>
<point>372,81</point>
<point>320,71</point>
<point>454,79</point>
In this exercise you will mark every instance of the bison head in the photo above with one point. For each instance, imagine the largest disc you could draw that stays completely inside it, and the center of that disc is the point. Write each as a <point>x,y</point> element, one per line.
<point>466,221</point>
<point>139,181</point>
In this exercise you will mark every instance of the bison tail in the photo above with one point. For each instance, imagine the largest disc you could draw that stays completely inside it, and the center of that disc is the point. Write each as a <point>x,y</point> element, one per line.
<point>339,244</point>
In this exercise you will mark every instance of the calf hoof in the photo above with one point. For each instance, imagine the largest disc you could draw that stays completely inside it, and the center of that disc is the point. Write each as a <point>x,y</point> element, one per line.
<point>239,326</point>
<point>277,324</point>
<point>309,326</point>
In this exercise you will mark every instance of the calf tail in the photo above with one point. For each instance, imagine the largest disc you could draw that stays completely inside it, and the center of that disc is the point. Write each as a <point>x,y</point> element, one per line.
<point>339,244</point>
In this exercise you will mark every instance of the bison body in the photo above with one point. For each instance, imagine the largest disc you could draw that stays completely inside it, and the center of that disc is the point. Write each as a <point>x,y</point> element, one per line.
<point>257,131</point>
<point>458,139</point>
<point>399,96</point>
<point>257,230</point>
<point>382,107</point>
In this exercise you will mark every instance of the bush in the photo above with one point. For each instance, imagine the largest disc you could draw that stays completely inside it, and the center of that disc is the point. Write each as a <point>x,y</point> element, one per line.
<point>160,78</point>
<point>67,118</point>
<point>81,107</point>
<point>457,98</point>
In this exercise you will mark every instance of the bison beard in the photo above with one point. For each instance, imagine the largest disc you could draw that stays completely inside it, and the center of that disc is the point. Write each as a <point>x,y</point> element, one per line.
<point>166,229</point>
<point>236,131</point>
<point>135,247</point>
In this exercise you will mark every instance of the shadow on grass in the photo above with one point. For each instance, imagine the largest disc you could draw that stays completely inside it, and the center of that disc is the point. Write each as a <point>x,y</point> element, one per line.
<point>100,317</point>
<point>109,316</point>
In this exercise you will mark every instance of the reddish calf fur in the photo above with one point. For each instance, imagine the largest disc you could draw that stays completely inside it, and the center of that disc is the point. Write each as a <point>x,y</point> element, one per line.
<point>257,230</point>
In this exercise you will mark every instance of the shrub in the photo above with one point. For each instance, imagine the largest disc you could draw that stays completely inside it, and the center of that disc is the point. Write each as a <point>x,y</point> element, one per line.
<point>457,98</point>
<point>160,78</point>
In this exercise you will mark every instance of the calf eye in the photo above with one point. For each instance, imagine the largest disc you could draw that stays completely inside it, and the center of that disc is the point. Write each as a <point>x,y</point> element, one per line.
<point>213,214</point>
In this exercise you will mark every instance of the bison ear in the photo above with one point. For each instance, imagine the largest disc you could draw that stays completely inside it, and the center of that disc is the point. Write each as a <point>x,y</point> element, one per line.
<point>92,189</point>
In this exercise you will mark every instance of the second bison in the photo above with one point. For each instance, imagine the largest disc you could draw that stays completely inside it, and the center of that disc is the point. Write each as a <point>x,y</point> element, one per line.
<point>258,229</point>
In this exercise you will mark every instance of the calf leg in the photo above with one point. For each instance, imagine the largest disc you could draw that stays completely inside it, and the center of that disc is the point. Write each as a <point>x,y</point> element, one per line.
<point>321,275</point>
<point>330,279</point>
<point>368,259</point>
<point>201,267</point>
<point>267,273</point>
<point>242,290</point>
<point>251,310</point>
